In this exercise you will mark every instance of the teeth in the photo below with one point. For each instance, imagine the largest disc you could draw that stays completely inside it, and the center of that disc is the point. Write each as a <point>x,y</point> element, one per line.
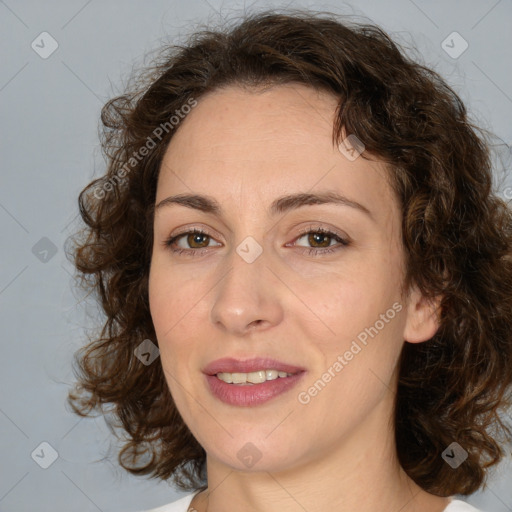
<point>252,377</point>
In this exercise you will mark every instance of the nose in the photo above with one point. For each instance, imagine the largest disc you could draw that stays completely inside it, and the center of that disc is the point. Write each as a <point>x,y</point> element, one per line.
<point>247,298</point>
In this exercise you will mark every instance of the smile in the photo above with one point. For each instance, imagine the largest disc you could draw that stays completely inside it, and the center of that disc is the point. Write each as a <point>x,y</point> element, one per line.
<point>252,377</point>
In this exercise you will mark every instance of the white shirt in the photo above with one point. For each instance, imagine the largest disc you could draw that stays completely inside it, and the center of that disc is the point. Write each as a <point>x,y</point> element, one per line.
<point>182,506</point>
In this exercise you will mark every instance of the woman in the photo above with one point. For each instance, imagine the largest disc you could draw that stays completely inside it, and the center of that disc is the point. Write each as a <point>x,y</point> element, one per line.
<point>305,274</point>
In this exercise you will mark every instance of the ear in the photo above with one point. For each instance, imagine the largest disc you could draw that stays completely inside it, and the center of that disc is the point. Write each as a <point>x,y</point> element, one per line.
<point>423,317</point>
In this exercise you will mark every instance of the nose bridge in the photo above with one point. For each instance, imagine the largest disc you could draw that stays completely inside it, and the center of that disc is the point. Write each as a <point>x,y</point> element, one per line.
<point>245,296</point>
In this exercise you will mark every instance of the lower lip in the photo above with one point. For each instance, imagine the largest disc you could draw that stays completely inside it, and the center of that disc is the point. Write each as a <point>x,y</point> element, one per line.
<point>249,395</point>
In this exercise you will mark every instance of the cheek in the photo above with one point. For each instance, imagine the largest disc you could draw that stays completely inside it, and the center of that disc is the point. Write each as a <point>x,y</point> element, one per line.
<point>359,317</point>
<point>173,299</point>
<point>340,306</point>
<point>354,370</point>
<point>179,311</point>
<point>166,310</point>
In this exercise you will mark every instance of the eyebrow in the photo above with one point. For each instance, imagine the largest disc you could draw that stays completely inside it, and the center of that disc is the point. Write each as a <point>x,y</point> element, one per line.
<point>282,204</point>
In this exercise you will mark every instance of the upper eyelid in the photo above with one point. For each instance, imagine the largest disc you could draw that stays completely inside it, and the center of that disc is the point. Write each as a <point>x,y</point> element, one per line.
<point>320,228</point>
<point>303,231</point>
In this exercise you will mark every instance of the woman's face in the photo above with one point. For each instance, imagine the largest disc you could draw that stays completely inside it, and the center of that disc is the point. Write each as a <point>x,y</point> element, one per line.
<point>260,281</point>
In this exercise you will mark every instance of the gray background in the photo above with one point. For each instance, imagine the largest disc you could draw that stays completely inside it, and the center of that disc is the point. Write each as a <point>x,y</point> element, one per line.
<point>49,150</point>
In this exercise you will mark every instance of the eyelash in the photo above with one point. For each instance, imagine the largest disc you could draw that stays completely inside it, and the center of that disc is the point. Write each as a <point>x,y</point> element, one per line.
<point>312,251</point>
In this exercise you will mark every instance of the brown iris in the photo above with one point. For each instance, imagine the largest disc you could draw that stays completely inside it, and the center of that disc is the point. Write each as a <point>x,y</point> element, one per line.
<point>313,238</point>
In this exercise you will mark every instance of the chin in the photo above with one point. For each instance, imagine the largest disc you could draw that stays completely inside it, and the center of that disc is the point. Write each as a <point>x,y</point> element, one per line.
<point>254,453</point>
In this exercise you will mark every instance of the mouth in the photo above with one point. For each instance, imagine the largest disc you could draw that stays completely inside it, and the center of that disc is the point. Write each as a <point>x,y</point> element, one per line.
<point>250,382</point>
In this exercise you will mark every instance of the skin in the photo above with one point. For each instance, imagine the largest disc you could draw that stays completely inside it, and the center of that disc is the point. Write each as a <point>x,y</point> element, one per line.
<point>245,148</point>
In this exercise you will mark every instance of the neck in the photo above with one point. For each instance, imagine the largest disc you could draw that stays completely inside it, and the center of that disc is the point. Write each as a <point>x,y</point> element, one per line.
<point>361,472</point>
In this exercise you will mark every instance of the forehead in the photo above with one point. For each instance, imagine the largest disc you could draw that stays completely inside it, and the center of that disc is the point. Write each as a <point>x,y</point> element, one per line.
<point>249,144</point>
<point>226,121</point>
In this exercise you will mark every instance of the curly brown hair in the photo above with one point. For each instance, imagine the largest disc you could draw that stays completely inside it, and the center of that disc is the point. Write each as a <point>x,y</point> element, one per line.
<point>456,231</point>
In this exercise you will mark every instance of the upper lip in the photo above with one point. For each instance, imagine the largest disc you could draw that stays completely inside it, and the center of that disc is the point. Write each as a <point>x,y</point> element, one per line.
<point>231,365</point>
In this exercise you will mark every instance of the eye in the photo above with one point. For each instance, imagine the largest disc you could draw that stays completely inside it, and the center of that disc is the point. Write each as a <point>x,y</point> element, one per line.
<point>322,238</point>
<point>196,239</point>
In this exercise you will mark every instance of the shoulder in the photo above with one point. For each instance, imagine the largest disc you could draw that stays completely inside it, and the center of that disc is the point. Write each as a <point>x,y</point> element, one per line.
<point>180,505</point>
<point>460,506</point>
